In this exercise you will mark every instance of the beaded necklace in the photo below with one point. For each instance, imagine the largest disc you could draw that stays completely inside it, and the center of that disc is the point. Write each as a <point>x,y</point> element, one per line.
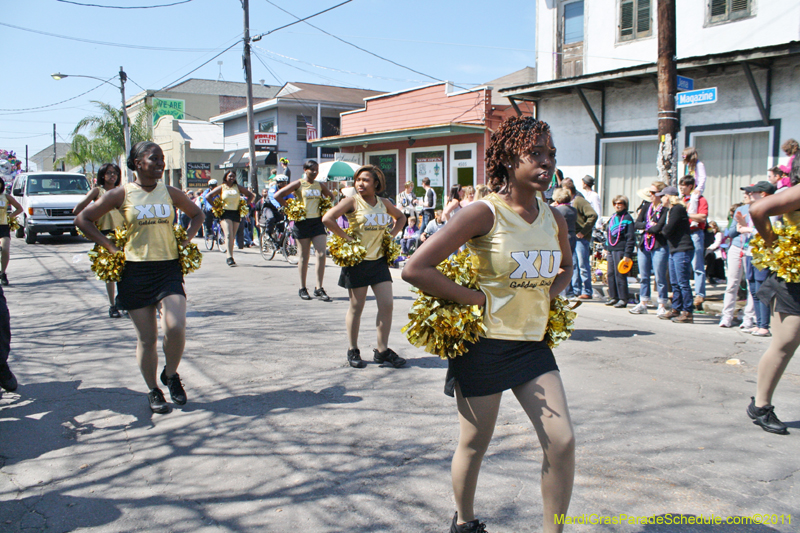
<point>649,238</point>
<point>611,227</point>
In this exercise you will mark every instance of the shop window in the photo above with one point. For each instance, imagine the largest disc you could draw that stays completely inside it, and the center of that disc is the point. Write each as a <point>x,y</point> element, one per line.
<point>330,127</point>
<point>636,19</point>
<point>627,167</point>
<point>266,126</point>
<point>301,128</point>
<point>429,165</point>
<point>720,11</point>
<point>388,164</point>
<point>731,161</point>
<point>462,154</point>
<point>573,22</point>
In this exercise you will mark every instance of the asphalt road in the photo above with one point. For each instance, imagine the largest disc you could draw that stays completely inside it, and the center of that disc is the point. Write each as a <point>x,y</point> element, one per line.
<point>279,434</point>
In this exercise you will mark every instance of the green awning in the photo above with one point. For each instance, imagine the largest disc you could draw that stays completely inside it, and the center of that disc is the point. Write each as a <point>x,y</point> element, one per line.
<point>408,134</point>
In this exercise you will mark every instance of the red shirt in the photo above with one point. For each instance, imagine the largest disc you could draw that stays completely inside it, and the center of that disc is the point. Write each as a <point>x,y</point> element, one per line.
<point>702,209</point>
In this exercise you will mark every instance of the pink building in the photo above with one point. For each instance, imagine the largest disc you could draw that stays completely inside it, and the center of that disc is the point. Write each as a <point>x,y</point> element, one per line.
<point>433,131</point>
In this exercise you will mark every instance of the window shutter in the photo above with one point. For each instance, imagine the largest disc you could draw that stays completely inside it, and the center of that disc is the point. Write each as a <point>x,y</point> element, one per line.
<point>626,20</point>
<point>719,7</point>
<point>643,17</point>
<point>740,6</point>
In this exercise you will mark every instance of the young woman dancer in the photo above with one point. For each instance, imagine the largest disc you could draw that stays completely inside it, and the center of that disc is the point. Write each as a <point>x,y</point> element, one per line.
<point>784,300</point>
<point>152,273</point>
<point>5,232</point>
<point>523,260</point>
<point>230,191</point>
<point>369,216</point>
<point>453,204</point>
<point>108,178</point>
<point>311,230</point>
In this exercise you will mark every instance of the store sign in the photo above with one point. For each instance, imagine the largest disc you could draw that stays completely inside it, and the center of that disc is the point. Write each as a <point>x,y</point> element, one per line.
<point>431,168</point>
<point>163,107</point>
<point>198,174</point>
<point>698,97</point>
<point>266,142</point>
<point>684,84</point>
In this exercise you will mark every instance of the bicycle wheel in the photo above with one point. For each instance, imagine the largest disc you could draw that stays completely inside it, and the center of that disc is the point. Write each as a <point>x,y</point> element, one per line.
<point>289,250</point>
<point>209,239</point>
<point>221,240</point>
<point>267,247</point>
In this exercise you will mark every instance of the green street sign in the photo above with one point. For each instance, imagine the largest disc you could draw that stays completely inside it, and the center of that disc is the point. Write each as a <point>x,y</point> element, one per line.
<point>163,107</point>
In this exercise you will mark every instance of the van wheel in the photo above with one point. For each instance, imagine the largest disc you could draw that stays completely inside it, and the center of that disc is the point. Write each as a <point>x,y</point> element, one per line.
<point>20,233</point>
<point>30,237</point>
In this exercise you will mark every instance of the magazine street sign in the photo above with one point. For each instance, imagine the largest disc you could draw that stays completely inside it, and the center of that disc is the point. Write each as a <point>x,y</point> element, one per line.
<point>698,97</point>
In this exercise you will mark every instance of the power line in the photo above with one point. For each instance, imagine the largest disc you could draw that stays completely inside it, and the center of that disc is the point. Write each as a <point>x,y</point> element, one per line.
<point>106,43</point>
<point>199,67</point>
<point>299,20</point>
<point>57,103</point>
<point>122,7</point>
<point>358,47</point>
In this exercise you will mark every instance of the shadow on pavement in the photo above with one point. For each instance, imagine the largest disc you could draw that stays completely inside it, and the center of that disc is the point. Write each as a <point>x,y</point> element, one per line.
<point>260,404</point>
<point>590,335</point>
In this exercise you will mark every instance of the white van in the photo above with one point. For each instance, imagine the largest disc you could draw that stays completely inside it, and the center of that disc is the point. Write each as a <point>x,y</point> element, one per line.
<point>47,200</point>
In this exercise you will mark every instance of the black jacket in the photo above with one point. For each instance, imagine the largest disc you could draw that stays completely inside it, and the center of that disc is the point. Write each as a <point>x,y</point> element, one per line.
<point>622,237</point>
<point>655,229</point>
<point>676,230</point>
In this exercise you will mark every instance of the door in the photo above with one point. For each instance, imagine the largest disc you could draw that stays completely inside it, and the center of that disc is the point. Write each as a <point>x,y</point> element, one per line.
<point>388,164</point>
<point>569,62</point>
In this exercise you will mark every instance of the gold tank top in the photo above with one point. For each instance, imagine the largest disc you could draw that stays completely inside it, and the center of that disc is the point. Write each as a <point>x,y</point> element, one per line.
<point>112,219</point>
<point>516,263</point>
<point>230,198</point>
<point>792,219</point>
<point>3,209</point>
<point>149,216</point>
<point>311,194</point>
<point>368,224</point>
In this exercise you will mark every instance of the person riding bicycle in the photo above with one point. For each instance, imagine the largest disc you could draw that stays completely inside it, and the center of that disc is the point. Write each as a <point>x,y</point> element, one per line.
<point>205,205</point>
<point>270,211</point>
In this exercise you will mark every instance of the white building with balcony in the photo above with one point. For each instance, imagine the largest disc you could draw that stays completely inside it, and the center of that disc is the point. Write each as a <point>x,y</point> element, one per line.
<point>596,87</point>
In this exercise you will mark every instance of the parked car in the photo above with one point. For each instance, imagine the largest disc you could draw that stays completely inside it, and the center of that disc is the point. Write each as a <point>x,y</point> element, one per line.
<point>47,200</point>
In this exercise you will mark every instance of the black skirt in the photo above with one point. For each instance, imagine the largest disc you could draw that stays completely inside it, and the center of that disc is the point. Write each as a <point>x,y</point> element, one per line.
<point>308,228</point>
<point>495,365</point>
<point>5,231</point>
<point>146,283</point>
<point>365,274</point>
<point>230,214</point>
<point>785,295</point>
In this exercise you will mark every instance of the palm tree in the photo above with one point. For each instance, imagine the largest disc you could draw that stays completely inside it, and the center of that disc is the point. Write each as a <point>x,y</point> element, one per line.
<point>80,153</point>
<point>108,137</point>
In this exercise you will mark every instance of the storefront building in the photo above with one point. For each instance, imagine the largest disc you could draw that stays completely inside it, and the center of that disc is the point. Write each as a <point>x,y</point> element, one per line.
<point>191,148</point>
<point>435,131</point>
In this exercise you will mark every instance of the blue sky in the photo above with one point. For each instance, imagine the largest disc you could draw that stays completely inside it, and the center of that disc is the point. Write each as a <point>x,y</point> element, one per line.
<point>450,40</point>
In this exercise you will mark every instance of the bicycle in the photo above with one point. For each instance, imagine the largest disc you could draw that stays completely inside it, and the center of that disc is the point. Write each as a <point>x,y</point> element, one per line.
<point>279,239</point>
<point>215,236</point>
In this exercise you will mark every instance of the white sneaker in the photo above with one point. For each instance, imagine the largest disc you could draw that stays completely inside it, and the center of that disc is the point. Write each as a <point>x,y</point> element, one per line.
<point>661,310</point>
<point>639,309</point>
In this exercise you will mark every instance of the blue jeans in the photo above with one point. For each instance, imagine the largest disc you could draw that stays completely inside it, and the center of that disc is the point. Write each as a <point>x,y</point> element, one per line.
<point>654,262</point>
<point>699,262</point>
<point>680,270</point>
<point>755,277</point>
<point>570,290</point>
<point>581,268</point>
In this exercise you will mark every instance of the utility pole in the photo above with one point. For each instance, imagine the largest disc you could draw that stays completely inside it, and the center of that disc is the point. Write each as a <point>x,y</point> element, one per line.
<point>248,75</point>
<point>26,158</point>
<point>126,127</point>
<point>54,147</point>
<point>667,87</point>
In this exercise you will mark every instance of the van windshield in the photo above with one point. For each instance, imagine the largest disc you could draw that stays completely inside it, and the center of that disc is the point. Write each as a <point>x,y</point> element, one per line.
<point>41,185</point>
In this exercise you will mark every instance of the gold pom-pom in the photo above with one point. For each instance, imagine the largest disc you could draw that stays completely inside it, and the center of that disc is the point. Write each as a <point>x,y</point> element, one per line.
<point>561,322</point>
<point>105,265</point>
<point>783,257</point>
<point>244,209</point>
<point>189,255</point>
<point>443,327</point>
<point>324,205</point>
<point>217,207</point>
<point>346,253</point>
<point>13,224</point>
<point>295,210</point>
<point>391,248</point>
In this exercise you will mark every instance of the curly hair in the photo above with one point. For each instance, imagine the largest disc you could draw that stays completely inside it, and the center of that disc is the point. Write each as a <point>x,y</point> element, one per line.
<point>514,137</point>
<point>790,147</point>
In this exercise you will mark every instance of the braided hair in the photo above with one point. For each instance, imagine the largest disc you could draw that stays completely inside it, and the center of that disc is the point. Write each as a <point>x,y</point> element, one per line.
<point>514,137</point>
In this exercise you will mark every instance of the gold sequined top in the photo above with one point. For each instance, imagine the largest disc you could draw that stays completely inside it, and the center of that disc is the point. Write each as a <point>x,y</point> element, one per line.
<point>311,194</point>
<point>112,219</point>
<point>792,219</point>
<point>368,224</point>
<point>230,198</point>
<point>3,209</point>
<point>516,263</point>
<point>149,216</point>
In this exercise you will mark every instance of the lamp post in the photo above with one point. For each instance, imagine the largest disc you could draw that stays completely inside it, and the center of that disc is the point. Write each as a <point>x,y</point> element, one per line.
<point>125,124</point>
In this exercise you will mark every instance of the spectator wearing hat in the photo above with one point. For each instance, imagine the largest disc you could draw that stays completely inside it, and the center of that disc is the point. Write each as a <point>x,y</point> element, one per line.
<point>681,248</point>
<point>581,284</point>
<point>697,227</point>
<point>620,242</point>
<point>755,276</point>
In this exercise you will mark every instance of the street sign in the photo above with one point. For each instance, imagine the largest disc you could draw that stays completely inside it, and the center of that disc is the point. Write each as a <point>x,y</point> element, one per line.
<point>698,97</point>
<point>685,84</point>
